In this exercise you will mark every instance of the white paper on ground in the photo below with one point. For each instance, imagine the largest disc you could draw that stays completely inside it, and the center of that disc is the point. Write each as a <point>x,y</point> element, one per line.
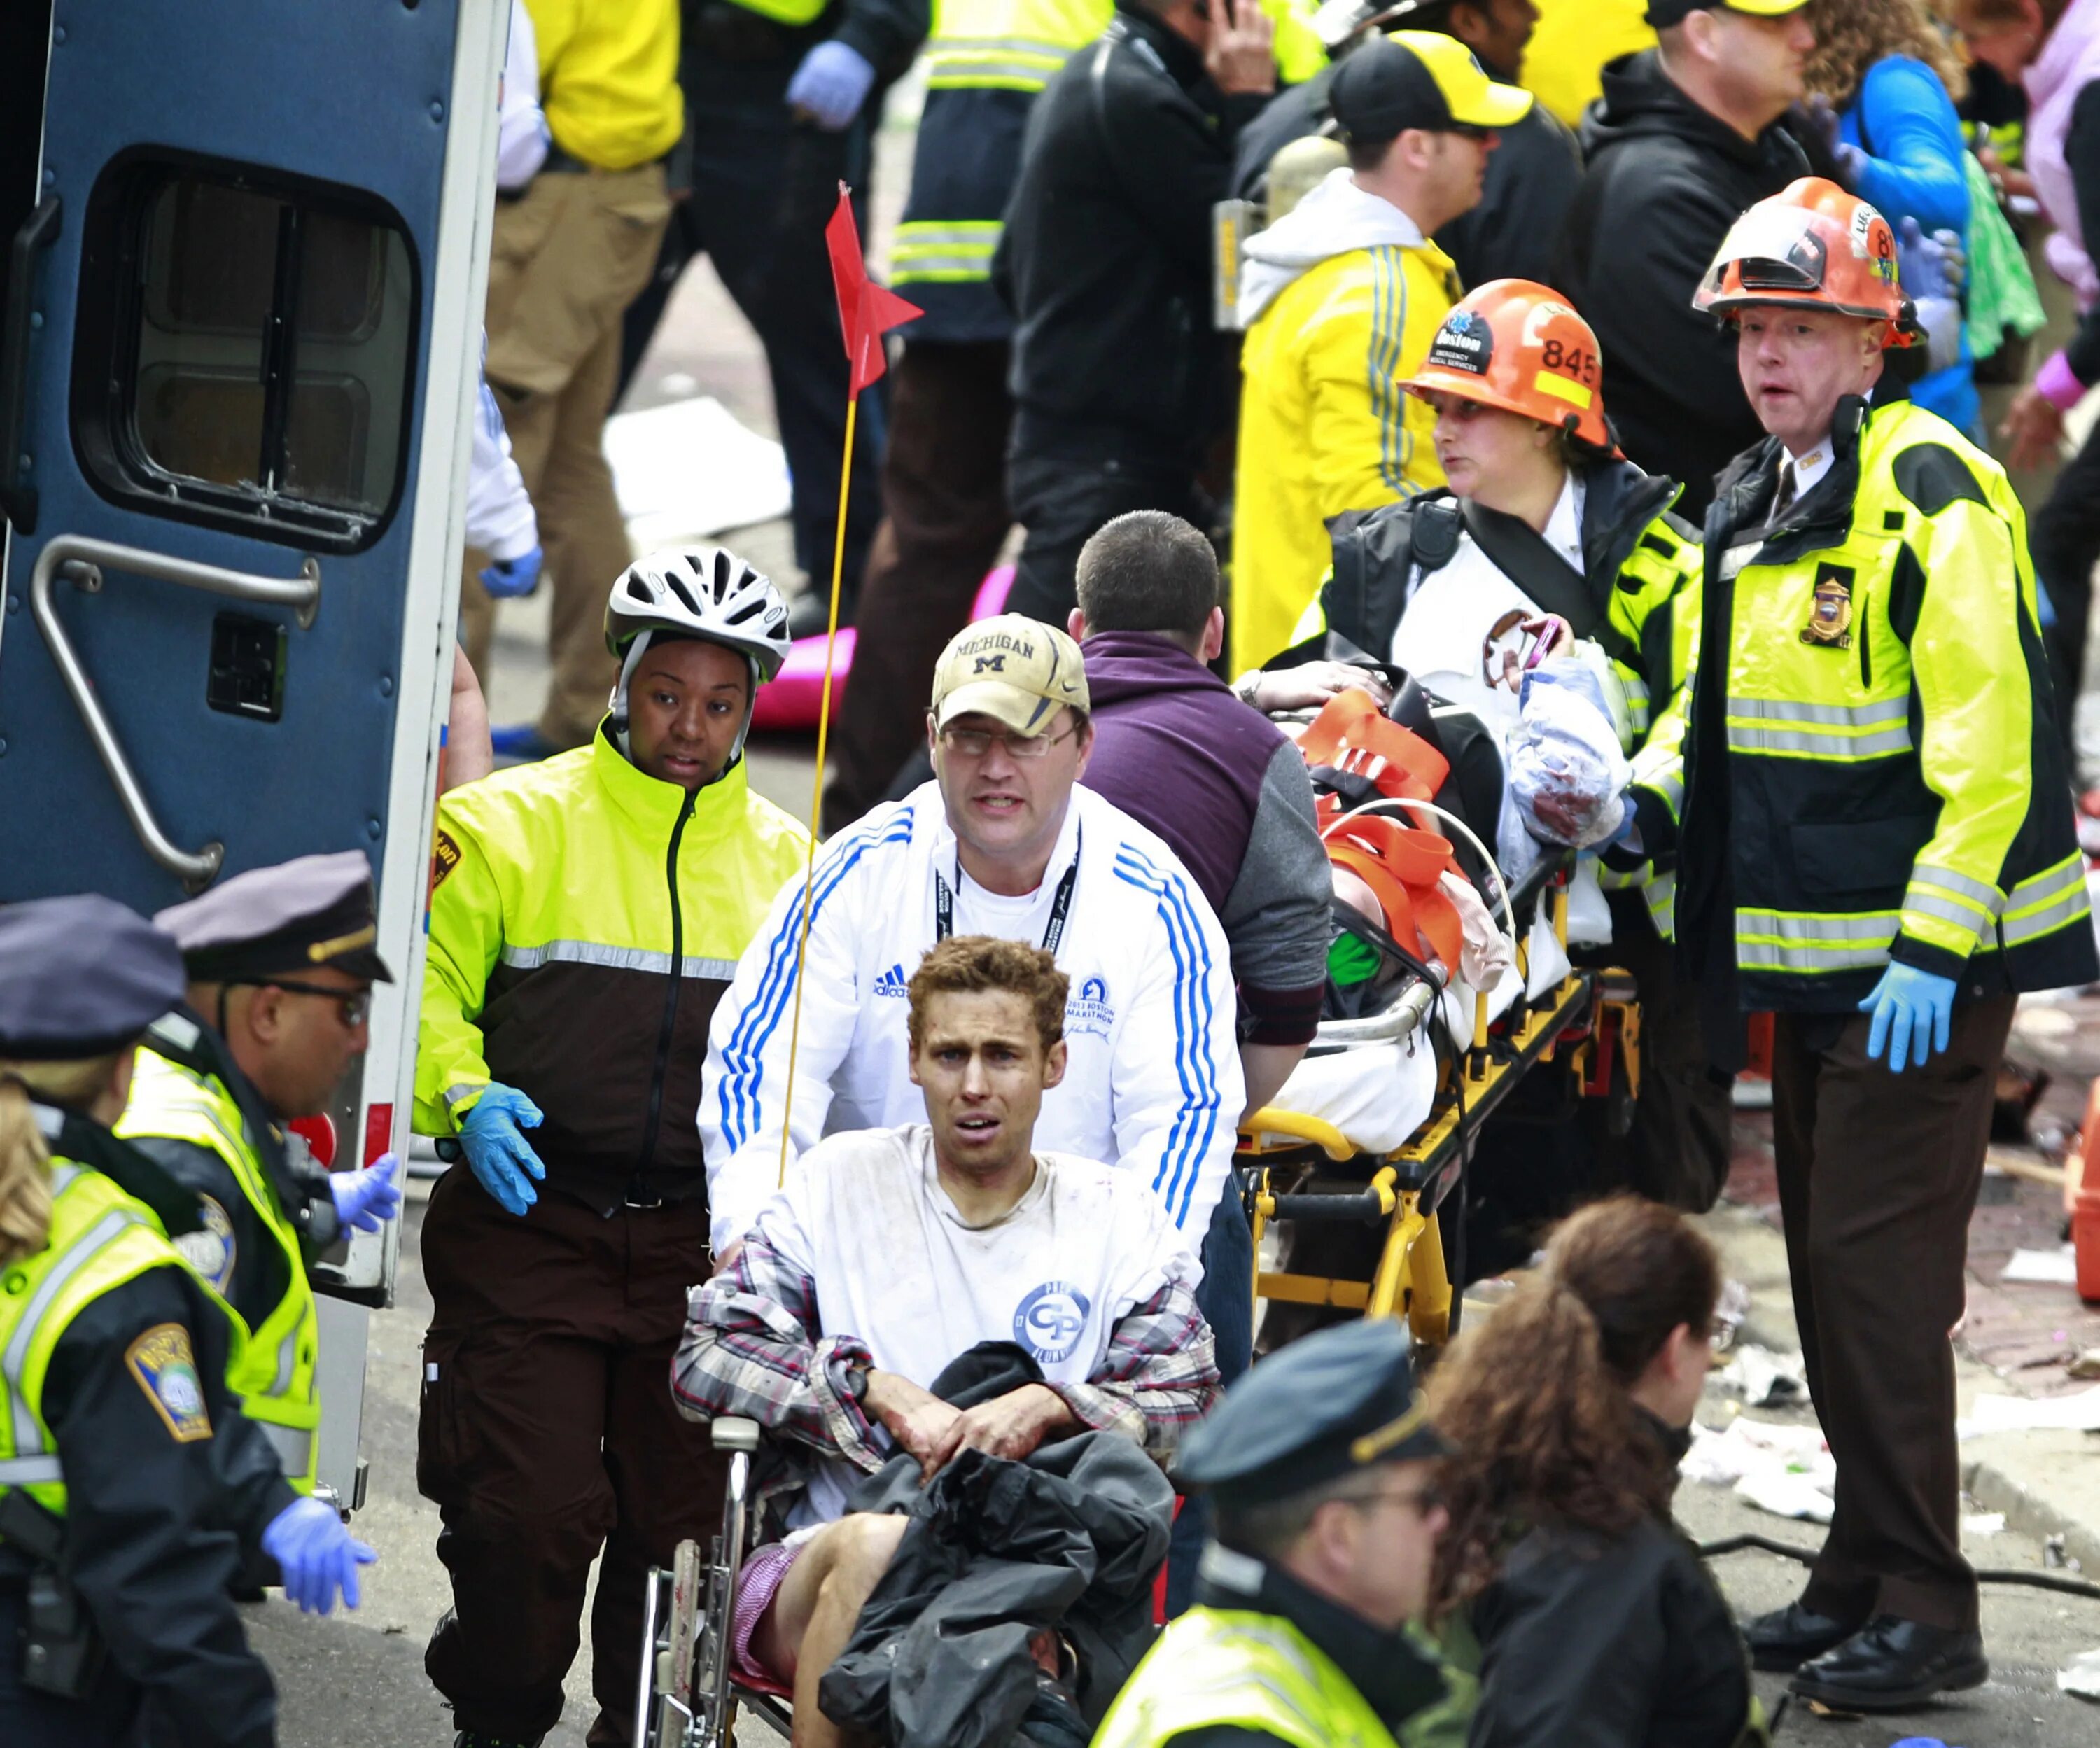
<point>688,469</point>
<point>2077,1413</point>
<point>2081,1675</point>
<point>1785,1470</point>
<point>1762,1378</point>
<point>2055,1268</point>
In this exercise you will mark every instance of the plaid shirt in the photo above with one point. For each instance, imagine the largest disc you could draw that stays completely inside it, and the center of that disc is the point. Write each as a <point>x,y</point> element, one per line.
<point>752,1347</point>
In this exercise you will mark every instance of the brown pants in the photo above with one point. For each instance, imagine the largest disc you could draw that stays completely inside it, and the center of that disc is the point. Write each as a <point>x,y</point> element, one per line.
<point>1877,1177</point>
<point>945,519</point>
<point>547,1432</point>
<point>566,261</point>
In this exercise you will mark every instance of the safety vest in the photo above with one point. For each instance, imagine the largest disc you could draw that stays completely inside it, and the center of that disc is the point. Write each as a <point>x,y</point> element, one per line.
<point>273,1371</point>
<point>100,1238</point>
<point>1217,1666</point>
<point>1873,708</point>
<point>794,13</point>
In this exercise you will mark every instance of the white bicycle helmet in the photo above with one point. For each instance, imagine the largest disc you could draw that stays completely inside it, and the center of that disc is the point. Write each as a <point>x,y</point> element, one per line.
<point>703,592</point>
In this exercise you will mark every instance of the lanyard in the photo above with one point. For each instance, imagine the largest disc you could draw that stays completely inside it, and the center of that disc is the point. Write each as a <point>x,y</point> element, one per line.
<point>1061,907</point>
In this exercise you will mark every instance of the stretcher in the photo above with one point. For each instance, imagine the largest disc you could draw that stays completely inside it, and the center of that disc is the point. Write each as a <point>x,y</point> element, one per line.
<point>1299,1172</point>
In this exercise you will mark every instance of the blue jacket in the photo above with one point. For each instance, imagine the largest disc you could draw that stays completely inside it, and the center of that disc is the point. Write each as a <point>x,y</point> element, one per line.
<point>1903,120</point>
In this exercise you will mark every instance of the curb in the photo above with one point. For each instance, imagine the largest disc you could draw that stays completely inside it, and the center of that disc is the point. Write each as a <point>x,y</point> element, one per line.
<point>2026,1510</point>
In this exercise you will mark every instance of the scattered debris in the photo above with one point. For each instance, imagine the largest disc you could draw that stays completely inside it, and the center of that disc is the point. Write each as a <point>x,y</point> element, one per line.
<point>688,469</point>
<point>2055,1268</point>
<point>1764,1378</point>
<point>1785,1470</point>
<point>2079,1412</point>
<point>1730,1315</point>
<point>2086,1365</point>
<point>2081,1675</point>
<point>1983,1523</point>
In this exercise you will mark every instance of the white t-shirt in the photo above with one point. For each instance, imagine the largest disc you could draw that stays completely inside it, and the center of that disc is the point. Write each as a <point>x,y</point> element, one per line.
<point>864,1216</point>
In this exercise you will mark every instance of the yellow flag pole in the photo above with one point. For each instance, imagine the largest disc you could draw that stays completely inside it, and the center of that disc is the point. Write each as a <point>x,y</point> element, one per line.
<point>817,789</point>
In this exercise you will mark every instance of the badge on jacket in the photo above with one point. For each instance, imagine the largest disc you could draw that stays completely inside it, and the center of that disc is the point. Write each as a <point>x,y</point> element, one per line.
<point>164,1369</point>
<point>1830,617</point>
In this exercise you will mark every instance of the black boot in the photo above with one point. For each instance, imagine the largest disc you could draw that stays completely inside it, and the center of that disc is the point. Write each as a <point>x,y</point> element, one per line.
<point>1785,1639</point>
<point>1892,1665</point>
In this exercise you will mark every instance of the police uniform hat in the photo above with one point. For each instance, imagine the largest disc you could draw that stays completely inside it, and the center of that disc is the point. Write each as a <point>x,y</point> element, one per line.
<point>80,976</point>
<point>280,921</point>
<point>1419,79</point>
<point>1324,1407</point>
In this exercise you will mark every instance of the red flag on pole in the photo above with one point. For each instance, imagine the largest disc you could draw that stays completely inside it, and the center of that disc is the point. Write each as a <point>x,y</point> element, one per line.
<point>867,311</point>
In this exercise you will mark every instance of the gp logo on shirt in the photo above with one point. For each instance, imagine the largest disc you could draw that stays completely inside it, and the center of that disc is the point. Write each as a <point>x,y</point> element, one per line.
<point>1049,1322</point>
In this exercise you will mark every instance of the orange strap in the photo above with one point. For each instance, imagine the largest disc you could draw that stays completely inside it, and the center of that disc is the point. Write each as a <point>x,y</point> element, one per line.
<point>1400,865</point>
<point>1352,734</point>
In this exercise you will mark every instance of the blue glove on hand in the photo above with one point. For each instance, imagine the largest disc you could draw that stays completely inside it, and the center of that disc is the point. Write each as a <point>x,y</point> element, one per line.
<point>365,1198</point>
<point>501,1158</point>
<point>508,578</point>
<point>830,85</point>
<point>1912,1009</point>
<point>317,1554</point>
<point>1933,265</point>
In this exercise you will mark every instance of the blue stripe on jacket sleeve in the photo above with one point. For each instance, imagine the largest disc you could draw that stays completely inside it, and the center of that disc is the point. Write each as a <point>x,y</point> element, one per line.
<point>1195,1125</point>
<point>744,1059</point>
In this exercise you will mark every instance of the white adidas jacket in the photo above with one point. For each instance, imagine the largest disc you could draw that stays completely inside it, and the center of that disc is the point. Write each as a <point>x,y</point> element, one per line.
<point>1154,1083</point>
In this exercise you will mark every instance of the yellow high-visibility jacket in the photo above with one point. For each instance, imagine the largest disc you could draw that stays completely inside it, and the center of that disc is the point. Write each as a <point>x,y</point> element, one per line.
<point>1325,426</point>
<point>1872,770</point>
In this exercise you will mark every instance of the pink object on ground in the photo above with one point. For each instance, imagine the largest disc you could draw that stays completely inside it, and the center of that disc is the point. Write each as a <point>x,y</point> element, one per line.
<point>792,699</point>
<point>756,1584</point>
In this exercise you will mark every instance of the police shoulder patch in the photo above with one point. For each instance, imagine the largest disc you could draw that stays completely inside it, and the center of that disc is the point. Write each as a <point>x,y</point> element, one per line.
<point>162,1365</point>
<point>214,1248</point>
<point>445,858</point>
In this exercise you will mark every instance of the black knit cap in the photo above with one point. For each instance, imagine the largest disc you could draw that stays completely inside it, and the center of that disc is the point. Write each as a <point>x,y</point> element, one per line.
<point>282,921</point>
<point>1337,1401</point>
<point>80,976</point>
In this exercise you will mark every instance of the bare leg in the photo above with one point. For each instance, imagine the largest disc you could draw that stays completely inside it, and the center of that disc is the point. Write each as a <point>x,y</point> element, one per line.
<point>814,1613</point>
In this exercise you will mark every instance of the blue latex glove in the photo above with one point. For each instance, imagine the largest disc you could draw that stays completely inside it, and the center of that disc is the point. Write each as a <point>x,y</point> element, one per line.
<point>1935,266</point>
<point>501,1157</point>
<point>317,1554</point>
<point>508,578</point>
<point>365,1198</point>
<point>1912,1009</point>
<point>830,85</point>
<point>1851,161</point>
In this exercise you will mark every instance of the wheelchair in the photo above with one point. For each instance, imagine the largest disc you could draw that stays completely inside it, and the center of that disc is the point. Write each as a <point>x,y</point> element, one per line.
<point>689,1692</point>
<point>1387,1208</point>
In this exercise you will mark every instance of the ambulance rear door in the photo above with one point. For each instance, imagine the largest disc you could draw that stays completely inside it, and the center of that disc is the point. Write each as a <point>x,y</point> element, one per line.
<point>246,246</point>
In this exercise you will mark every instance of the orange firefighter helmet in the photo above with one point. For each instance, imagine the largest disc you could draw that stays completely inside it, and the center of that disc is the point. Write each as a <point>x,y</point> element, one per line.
<point>1519,346</point>
<point>1811,244</point>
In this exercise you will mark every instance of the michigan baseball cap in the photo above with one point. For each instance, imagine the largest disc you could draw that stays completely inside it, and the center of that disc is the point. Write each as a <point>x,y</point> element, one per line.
<point>1662,14</point>
<point>1418,78</point>
<point>1018,670</point>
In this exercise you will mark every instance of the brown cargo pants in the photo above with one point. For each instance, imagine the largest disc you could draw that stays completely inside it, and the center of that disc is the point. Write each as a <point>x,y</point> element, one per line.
<point>567,259</point>
<point>548,1433</point>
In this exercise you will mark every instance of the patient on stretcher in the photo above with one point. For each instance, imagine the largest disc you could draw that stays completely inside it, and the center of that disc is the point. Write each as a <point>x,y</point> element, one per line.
<point>890,1253</point>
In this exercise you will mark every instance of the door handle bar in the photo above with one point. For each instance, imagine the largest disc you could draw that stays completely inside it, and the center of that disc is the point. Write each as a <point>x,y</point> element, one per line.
<point>81,562</point>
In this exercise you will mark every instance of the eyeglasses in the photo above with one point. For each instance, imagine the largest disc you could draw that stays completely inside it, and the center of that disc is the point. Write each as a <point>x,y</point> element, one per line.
<point>975,742</point>
<point>356,1003</point>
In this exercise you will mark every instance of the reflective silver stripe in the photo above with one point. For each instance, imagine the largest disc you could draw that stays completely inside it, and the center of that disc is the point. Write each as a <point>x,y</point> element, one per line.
<point>1772,956</point>
<point>455,1096</point>
<point>294,1449</point>
<point>1926,903</point>
<point>90,1243</point>
<point>967,70</point>
<point>1985,893</point>
<point>1836,715</point>
<point>2049,884</point>
<point>2015,929</point>
<point>967,233</point>
<point>288,1356</point>
<point>1880,926</point>
<point>1891,740</point>
<point>944,46</point>
<point>1670,786</point>
<point>63,1177</point>
<point>902,272</point>
<point>30,1472</point>
<point>613,958</point>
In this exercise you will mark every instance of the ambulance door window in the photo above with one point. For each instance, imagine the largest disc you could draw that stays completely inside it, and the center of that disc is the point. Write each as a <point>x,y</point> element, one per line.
<point>252,369</point>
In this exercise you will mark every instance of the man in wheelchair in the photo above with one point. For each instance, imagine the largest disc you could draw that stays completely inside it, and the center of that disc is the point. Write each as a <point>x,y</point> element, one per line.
<point>890,1252</point>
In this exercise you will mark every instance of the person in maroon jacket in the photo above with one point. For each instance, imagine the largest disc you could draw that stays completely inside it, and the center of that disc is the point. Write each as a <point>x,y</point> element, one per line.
<point>1178,752</point>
